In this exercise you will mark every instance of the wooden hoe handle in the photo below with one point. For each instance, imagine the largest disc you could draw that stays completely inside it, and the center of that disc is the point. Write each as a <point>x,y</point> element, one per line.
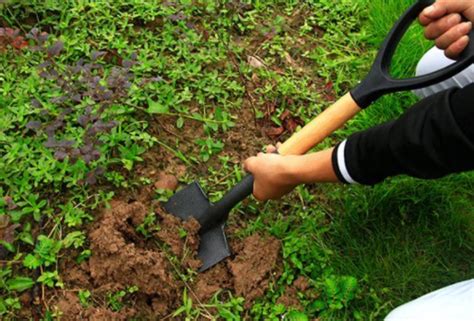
<point>322,126</point>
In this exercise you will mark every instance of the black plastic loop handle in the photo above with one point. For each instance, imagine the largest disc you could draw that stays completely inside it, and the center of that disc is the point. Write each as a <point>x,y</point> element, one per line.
<point>379,81</point>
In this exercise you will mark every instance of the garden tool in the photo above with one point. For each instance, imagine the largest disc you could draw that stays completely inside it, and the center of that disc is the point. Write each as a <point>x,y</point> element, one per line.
<point>191,201</point>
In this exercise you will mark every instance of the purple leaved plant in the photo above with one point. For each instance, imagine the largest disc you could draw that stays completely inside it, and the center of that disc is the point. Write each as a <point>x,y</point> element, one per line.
<point>86,92</point>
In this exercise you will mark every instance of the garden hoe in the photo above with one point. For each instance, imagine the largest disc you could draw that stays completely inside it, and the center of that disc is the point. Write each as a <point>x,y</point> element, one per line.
<point>192,201</point>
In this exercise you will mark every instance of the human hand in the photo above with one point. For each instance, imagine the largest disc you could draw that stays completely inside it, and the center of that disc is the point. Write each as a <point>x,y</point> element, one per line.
<point>272,173</point>
<point>443,22</point>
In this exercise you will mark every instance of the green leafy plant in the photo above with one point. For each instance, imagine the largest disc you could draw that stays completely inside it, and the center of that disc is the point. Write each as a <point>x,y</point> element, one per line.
<point>74,239</point>
<point>338,292</point>
<point>51,279</point>
<point>74,215</point>
<point>149,226</point>
<point>130,154</point>
<point>84,297</point>
<point>186,309</point>
<point>296,316</point>
<point>84,255</point>
<point>209,147</point>
<point>30,205</point>
<point>115,300</point>
<point>9,305</point>
<point>44,254</point>
<point>19,283</point>
<point>232,309</point>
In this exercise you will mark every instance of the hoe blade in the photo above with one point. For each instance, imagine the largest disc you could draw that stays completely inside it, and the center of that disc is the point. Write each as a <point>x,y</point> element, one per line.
<point>189,202</point>
<point>213,247</point>
<point>192,202</point>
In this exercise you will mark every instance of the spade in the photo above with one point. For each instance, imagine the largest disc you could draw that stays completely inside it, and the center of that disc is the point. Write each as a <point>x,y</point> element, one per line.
<point>191,201</point>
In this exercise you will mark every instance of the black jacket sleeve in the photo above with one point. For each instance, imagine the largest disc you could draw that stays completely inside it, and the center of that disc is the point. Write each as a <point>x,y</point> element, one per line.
<point>432,139</point>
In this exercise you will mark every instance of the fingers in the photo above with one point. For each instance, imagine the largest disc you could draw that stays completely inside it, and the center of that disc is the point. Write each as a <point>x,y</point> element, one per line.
<point>453,35</point>
<point>270,149</point>
<point>443,7</point>
<point>249,164</point>
<point>253,163</point>
<point>457,47</point>
<point>424,20</point>
<point>258,193</point>
<point>441,26</point>
<point>433,12</point>
<point>443,23</point>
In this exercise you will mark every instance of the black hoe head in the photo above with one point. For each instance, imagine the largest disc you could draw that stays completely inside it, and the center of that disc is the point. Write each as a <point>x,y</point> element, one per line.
<point>192,202</point>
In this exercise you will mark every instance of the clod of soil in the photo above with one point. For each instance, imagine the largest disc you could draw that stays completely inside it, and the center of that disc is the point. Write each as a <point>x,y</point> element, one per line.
<point>123,258</point>
<point>166,181</point>
<point>211,281</point>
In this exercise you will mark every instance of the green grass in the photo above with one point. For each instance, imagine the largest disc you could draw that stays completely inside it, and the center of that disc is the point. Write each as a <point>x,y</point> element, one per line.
<point>407,236</point>
<point>364,250</point>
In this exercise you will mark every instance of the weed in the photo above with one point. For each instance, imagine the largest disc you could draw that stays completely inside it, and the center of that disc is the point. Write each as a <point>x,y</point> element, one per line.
<point>149,226</point>
<point>209,147</point>
<point>115,300</point>
<point>231,309</point>
<point>84,297</point>
<point>44,254</point>
<point>51,279</point>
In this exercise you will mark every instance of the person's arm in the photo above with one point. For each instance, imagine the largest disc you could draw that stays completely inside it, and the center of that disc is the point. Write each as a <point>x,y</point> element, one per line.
<point>432,139</point>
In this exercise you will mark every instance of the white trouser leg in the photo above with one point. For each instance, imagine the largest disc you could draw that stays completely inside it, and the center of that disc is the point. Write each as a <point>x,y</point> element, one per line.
<point>452,303</point>
<point>435,60</point>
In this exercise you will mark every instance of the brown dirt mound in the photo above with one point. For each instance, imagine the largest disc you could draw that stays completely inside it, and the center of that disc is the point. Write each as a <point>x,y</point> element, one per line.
<point>119,262</point>
<point>122,258</point>
<point>254,266</point>
<point>290,296</point>
<point>250,272</point>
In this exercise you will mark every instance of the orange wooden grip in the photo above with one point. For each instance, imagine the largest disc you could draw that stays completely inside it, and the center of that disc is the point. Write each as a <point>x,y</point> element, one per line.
<point>322,126</point>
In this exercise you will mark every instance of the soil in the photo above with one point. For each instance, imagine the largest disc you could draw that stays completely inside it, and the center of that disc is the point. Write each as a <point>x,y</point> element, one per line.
<point>123,258</point>
<point>71,309</point>
<point>254,266</point>
<point>290,296</point>
<point>166,181</point>
<point>248,274</point>
<point>7,234</point>
<point>119,259</point>
<point>183,248</point>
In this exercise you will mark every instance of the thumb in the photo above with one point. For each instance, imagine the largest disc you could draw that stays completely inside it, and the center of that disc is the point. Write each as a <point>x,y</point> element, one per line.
<point>249,164</point>
<point>443,7</point>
